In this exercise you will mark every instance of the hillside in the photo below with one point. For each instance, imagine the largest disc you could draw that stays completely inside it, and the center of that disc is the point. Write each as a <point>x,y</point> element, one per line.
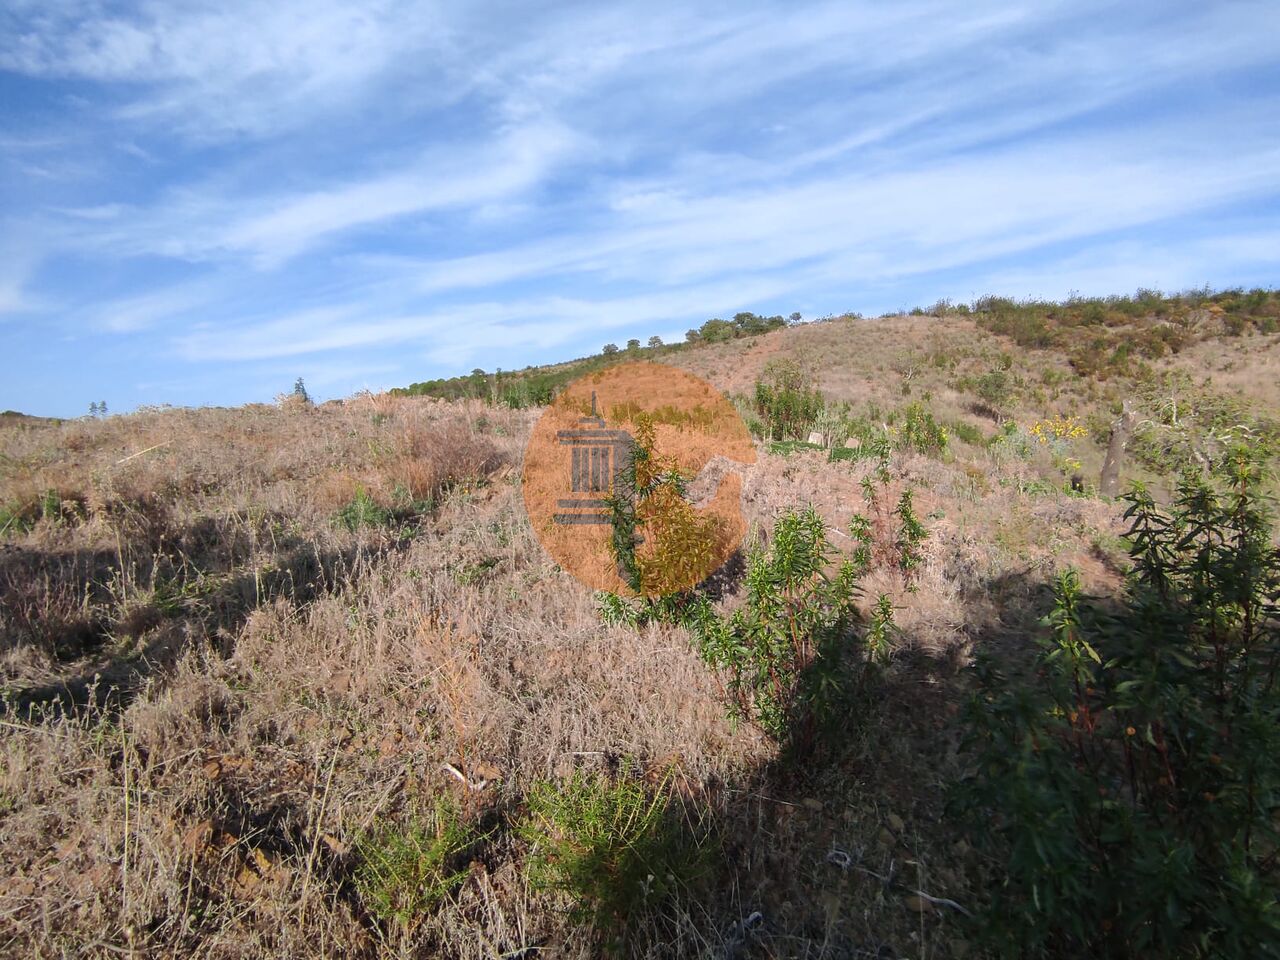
<point>287,680</point>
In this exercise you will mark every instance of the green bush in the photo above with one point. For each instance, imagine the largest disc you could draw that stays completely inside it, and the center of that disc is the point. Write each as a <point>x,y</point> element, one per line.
<point>783,401</point>
<point>363,511</point>
<point>678,607</point>
<point>1131,779</point>
<point>784,448</point>
<point>785,652</point>
<point>17,518</point>
<point>881,631</point>
<point>1012,442</point>
<point>911,534</point>
<point>1026,325</point>
<point>620,849</point>
<point>405,869</point>
<point>648,496</point>
<point>920,432</point>
<point>995,388</point>
<point>967,433</point>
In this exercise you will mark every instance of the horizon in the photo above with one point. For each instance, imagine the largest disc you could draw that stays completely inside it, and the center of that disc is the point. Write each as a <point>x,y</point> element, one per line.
<point>368,196</point>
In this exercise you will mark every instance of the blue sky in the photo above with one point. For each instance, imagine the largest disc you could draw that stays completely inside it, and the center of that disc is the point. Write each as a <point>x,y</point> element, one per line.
<point>201,202</point>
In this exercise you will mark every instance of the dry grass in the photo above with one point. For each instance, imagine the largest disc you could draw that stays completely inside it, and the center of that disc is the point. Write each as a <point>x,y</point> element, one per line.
<point>214,689</point>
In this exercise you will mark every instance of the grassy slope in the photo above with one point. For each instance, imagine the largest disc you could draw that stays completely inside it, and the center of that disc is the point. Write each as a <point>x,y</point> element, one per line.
<point>215,686</point>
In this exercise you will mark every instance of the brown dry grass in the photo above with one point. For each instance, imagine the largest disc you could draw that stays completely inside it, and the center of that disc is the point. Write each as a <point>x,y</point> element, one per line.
<point>213,689</point>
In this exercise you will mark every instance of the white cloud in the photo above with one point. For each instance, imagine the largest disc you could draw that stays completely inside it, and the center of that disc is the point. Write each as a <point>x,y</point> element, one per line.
<point>448,334</point>
<point>267,229</point>
<point>163,307</point>
<point>18,262</point>
<point>226,69</point>
<point>351,181</point>
<point>515,163</point>
<point>953,211</point>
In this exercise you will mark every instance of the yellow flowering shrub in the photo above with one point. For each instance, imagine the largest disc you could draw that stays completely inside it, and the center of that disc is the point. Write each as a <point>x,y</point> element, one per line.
<point>1057,432</point>
<point>1058,427</point>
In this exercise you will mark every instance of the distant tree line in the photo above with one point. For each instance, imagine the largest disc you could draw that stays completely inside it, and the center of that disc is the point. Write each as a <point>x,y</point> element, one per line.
<point>537,386</point>
<point>742,325</point>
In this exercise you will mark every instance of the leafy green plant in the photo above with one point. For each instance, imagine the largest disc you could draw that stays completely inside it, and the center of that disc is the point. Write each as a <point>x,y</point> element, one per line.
<point>620,849</point>
<point>996,389</point>
<point>881,630</point>
<point>1188,424</point>
<point>919,431</point>
<point>405,869</point>
<point>648,496</point>
<point>860,530</point>
<point>834,422</point>
<point>1131,779</point>
<point>788,407</point>
<point>911,534</point>
<point>784,448</point>
<point>363,511</point>
<point>16,518</point>
<point>967,433</point>
<point>786,653</point>
<point>879,450</point>
<point>680,607</point>
<point>1012,442</point>
<point>614,610</point>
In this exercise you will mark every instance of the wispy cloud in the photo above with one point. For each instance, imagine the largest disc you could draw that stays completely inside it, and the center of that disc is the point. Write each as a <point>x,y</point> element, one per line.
<point>410,189</point>
<point>225,70</point>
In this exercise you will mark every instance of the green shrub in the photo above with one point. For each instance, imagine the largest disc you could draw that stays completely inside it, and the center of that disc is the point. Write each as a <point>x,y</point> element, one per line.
<point>363,511</point>
<point>783,401</point>
<point>619,849</point>
<point>920,432</point>
<point>17,518</point>
<point>1026,325</point>
<point>995,388</point>
<point>785,651</point>
<point>648,496</point>
<point>676,607</point>
<point>784,448</point>
<point>881,631</point>
<point>911,534</point>
<point>1190,425</point>
<point>1131,779</point>
<point>1012,442</point>
<point>405,869</point>
<point>834,422</point>
<point>967,433</point>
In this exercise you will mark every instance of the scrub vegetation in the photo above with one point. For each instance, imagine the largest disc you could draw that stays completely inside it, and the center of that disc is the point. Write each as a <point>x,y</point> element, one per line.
<point>298,679</point>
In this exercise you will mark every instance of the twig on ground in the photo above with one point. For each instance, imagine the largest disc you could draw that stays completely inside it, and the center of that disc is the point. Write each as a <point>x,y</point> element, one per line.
<point>141,452</point>
<point>842,859</point>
